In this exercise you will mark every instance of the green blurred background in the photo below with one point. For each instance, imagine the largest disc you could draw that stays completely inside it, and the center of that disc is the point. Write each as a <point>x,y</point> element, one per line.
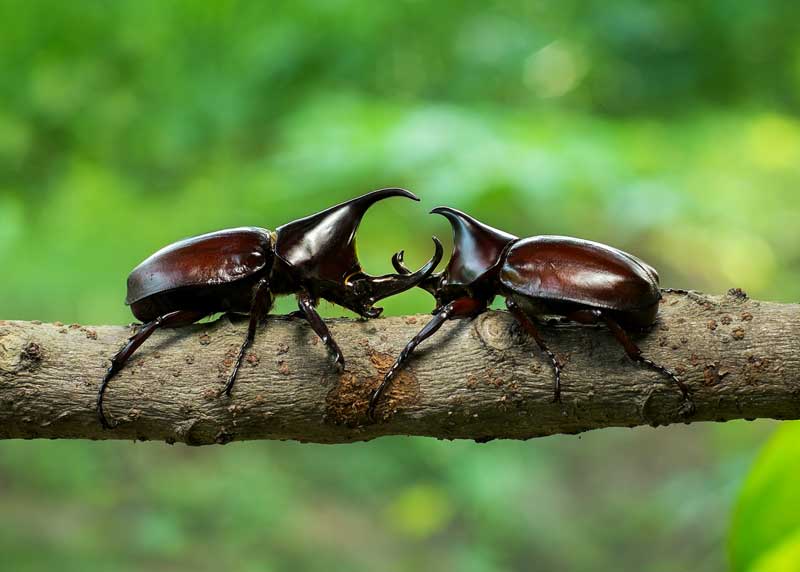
<point>666,128</point>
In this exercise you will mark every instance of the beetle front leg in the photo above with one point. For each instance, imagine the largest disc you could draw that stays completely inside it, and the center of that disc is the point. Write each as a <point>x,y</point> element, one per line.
<point>306,305</point>
<point>528,325</point>
<point>461,307</point>
<point>258,307</point>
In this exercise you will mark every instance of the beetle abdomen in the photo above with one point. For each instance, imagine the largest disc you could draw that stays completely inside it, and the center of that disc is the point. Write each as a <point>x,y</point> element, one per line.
<point>580,271</point>
<point>215,258</point>
<point>236,297</point>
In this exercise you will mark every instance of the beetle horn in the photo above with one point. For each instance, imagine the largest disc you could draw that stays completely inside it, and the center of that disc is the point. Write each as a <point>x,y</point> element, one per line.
<point>476,246</point>
<point>390,284</point>
<point>322,246</point>
<point>430,283</point>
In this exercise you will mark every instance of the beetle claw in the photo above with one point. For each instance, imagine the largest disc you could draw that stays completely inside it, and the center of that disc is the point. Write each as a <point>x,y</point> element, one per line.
<point>103,421</point>
<point>687,408</point>
<point>373,403</point>
<point>339,363</point>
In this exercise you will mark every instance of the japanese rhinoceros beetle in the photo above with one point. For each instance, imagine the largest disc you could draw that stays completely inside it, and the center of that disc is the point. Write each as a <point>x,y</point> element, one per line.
<point>240,270</point>
<point>542,276</point>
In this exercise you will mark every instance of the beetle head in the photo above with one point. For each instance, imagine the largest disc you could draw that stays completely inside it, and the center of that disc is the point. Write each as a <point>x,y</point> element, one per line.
<point>320,251</point>
<point>477,250</point>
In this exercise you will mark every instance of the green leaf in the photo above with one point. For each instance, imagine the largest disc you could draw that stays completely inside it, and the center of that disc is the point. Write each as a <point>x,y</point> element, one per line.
<point>765,533</point>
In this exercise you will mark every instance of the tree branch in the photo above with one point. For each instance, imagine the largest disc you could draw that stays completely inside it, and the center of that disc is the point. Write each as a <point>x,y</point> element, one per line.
<point>478,379</point>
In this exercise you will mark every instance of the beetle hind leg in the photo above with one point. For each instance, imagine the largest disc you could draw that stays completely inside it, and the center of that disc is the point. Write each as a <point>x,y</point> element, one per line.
<point>528,325</point>
<point>635,354</point>
<point>172,319</point>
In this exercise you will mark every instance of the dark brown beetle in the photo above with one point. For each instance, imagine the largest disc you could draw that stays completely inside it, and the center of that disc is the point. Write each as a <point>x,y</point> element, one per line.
<point>240,270</point>
<point>539,277</point>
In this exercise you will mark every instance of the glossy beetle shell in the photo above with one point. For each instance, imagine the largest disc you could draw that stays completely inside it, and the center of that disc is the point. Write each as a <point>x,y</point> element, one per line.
<point>561,268</point>
<point>210,259</point>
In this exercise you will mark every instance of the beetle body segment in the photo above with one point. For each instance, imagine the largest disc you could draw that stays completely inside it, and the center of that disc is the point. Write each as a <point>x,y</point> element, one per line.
<point>559,269</point>
<point>202,273</point>
<point>235,297</point>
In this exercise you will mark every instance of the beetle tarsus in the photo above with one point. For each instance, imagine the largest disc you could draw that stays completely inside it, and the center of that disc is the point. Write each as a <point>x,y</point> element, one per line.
<point>178,317</point>
<point>101,416</point>
<point>459,308</point>
<point>635,354</point>
<point>338,361</point>
<point>687,407</point>
<point>232,376</point>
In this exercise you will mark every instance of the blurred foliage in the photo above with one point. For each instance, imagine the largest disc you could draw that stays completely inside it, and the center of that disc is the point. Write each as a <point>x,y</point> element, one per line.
<point>765,534</point>
<point>666,128</point>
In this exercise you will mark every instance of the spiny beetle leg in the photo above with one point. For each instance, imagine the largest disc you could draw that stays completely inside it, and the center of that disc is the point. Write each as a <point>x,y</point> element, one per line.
<point>430,328</point>
<point>306,305</point>
<point>460,308</point>
<point>528,325</point>
<point>634,353</point>
<point>258,307</point>
<point>177,318</point>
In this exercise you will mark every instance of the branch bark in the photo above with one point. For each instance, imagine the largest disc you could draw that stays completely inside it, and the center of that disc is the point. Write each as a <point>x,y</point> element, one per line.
<point>478,379</point>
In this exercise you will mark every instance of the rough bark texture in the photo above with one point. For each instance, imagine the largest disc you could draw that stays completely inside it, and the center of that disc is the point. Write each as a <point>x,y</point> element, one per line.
<point>476,379</point>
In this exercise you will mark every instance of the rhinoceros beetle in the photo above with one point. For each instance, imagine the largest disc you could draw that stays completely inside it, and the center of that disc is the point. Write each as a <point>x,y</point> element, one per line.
<point>240,270</point>
<point>541,276</point>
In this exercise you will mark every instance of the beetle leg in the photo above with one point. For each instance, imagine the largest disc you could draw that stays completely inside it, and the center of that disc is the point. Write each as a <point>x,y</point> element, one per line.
<point>177,318</point>
<point>306,305</point>
<point>635,354</point>
<point>529,326</point>
<point>258,307</point>
<point>459,308</point>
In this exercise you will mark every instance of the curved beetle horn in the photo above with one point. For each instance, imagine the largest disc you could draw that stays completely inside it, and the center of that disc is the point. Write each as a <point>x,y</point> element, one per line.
<point>322,246</point>
<point>390,284</point>
<point>429,283</point>
<point>476,246</point>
